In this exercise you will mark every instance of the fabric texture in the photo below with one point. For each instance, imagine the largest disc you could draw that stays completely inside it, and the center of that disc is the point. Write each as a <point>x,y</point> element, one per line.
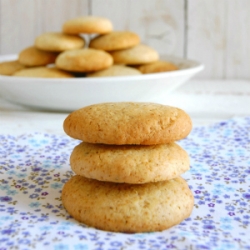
<point>35,166</point>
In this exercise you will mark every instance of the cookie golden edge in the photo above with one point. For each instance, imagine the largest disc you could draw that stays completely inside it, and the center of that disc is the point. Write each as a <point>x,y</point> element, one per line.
<point>59,42</point>
<point>139,54</point>
<point>129,163</point>
<point>43,72</point>
<point>115,40</point>
<point>8,68</point>
<point>157,67</point>
<point>84,60</point>
<point>121,123</point>
<point>34,57</point>
<point>87,25</point>
<point>115,70</point>
<point>128,208</point>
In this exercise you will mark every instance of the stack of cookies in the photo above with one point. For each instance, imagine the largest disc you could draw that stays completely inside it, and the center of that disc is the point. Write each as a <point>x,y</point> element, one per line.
<point>86,47</point>
<point>128,167</point>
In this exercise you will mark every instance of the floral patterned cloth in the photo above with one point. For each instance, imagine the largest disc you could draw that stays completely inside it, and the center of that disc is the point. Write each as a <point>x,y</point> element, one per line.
<point>34,167</point>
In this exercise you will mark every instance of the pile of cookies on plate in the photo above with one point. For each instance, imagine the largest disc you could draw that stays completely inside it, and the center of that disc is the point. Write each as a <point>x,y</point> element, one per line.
<point>86,47</point>
<point>128,167</point>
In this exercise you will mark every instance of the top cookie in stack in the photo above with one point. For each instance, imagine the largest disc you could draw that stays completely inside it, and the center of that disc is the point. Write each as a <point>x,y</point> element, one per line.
<point>128,123</point>
<point>86,46</point>
<point>128,166</point>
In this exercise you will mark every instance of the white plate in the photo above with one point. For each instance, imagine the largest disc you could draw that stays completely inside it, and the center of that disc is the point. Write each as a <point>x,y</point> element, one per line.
<point>71,94</point>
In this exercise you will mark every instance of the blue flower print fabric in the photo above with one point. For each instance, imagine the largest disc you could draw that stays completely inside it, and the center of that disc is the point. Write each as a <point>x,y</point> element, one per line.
<point>34,168</point>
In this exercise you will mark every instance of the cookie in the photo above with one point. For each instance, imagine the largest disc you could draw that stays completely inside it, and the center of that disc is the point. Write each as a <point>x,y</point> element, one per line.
<point>115,40</point>
<point>128,208</point>
<point>58,42</point>
<point>128,123</point>
<point>133,164</point>
<point>84,60</point>
<point>43,72</point>
<point>87,25</point>
<point>115,70</point>
<point>156,67</point>
<point>8,68</point>
<point>32,57</point>
<point>139,54</point>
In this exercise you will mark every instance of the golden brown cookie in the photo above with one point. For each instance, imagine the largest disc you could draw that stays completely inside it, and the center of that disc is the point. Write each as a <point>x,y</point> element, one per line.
<point>88,25</point>
<point>8,68</point>
<point>32,56</point>
<point>115,70</point>
<point>156,67</point>
<point>84,60</point>
<point>133,164</point>
<point>128,208</point>
<point>115,40</point>
<point>139,54</point>
<point>128,123</point>
<point>43,72</point>
<point>58,42</point>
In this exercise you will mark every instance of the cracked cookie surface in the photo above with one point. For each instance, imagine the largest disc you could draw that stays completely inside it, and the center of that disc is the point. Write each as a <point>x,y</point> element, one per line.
<point>128,123</point>
<point>133,164</point>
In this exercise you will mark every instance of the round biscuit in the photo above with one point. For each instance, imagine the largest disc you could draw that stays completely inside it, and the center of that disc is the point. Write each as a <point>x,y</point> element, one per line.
<point>128,208</point>
<point>115,70</point>
<point>87,25</point>
<point>32,57</point>
<point>128,123</point>
<point>115,40</point>
<point>135,164</point>
<point>58,42</point>
<point>8,68</point>
<point>139,54</point>
<point>156,67</point>
<point>84,60</point>
<point>43,72</point>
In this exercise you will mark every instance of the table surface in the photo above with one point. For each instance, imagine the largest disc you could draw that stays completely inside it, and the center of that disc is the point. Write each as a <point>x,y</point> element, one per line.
<point>34,164</point>
<point>205,101</point>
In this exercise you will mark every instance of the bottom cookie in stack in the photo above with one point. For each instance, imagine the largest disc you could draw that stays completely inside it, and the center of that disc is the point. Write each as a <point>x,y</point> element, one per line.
<point>128,188</point>
<point>121,207</point>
